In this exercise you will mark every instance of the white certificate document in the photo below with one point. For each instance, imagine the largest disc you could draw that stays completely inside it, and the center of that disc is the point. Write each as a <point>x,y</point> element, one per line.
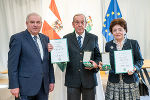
<point>60,51</point>
<point>123,61</point>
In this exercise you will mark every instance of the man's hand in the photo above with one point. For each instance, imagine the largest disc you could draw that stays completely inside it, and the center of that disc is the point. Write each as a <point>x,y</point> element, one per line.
<point>93,63</point>
<point>50,47</point>
<point>51,87</point>
<point>15,92</point>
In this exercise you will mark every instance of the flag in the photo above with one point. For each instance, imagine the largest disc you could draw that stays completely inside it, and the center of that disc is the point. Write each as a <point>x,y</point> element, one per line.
<point>113,12</point>
<point>52,24</point>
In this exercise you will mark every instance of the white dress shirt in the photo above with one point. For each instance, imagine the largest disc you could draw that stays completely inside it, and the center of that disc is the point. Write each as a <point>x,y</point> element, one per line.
<point>82,39</point>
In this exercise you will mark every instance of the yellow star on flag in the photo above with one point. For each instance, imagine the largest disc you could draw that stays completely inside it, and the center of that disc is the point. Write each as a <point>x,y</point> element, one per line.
<point>107,15</point>
<point>118,13</point>
<point>112,13</point>
<point>104,25</point>
<point>105,30</point>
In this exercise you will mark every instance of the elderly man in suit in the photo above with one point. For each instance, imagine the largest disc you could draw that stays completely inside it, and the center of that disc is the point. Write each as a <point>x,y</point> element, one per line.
<point>80,79</point>
<point>30,71</point>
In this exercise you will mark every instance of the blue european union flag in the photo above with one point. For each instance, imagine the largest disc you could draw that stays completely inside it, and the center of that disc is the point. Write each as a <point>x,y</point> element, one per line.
<point>113,12</point>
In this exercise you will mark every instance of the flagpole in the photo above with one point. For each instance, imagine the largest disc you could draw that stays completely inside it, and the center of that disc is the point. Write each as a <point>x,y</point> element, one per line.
<point>103,16</point>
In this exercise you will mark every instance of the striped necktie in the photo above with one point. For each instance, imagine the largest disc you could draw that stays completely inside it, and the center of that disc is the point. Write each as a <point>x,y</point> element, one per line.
<point>36,43</point>
<point>79,41</point>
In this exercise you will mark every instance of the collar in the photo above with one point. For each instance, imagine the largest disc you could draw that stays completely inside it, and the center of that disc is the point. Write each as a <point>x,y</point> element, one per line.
<point>120,46</point>
<point>83,34</point>
<point>36,35</point>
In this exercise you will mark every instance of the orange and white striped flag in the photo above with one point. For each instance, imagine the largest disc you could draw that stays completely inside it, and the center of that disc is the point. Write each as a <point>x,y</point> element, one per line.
<point>52,24</point>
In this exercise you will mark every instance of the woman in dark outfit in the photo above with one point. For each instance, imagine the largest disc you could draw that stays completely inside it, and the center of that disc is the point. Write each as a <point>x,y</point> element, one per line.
<point>123,86</point>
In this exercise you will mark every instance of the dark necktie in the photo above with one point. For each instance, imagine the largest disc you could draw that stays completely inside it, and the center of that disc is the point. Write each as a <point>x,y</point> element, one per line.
<point>35,40</point>
<point>79,41</point>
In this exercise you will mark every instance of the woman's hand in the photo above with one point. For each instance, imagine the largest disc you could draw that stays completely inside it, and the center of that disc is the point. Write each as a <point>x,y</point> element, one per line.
<point>131,72</point>
<point>100,65</point>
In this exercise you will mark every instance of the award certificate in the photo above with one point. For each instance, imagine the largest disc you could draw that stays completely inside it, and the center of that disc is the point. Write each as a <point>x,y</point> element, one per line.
<point>123,61</point>
<point>60,51</point>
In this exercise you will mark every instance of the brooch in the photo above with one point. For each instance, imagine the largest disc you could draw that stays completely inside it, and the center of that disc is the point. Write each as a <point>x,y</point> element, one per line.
<point>111,47</point>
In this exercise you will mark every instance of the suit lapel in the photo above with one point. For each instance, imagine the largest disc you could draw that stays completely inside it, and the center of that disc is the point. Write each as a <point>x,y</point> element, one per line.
<point>31,42</point>
<point>127,45</point>
<point>74,40</point>
<point>85,41</point>
<point>112,46</point>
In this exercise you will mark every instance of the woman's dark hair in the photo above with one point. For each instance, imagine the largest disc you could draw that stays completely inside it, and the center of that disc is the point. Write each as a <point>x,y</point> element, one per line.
<point>120,22</point>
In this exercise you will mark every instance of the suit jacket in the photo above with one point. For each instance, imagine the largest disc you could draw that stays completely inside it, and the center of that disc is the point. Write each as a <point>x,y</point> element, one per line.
<point>137,58</point>
<point>76,75</point>
<point>26,69</point>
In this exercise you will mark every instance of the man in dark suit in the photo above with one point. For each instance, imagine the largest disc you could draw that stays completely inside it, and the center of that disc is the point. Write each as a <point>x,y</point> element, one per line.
<point>30,71</point>
<point>80,79</point>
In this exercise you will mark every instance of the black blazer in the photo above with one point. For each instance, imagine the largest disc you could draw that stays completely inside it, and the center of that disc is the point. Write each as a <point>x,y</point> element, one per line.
<point>137,57</point>
<point>76,75</point>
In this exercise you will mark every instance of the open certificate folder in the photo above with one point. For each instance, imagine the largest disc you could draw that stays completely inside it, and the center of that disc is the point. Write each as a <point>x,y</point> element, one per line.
<point>86,59</point>
<point>60,51</point>
<point>123,61</point>
<point>106,61</point>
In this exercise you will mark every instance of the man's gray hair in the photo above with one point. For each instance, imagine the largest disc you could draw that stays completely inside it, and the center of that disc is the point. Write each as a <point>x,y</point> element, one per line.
<point>79,14</point>
<point>31,14</point>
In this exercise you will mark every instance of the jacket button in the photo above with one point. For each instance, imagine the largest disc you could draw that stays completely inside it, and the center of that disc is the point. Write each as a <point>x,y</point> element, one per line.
<point>80,53</point>
<point>79,70</point>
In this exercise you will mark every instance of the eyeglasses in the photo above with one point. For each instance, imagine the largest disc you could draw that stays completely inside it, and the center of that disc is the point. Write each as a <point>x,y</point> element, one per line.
<point>117,30</point>
<point>77,22</point>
